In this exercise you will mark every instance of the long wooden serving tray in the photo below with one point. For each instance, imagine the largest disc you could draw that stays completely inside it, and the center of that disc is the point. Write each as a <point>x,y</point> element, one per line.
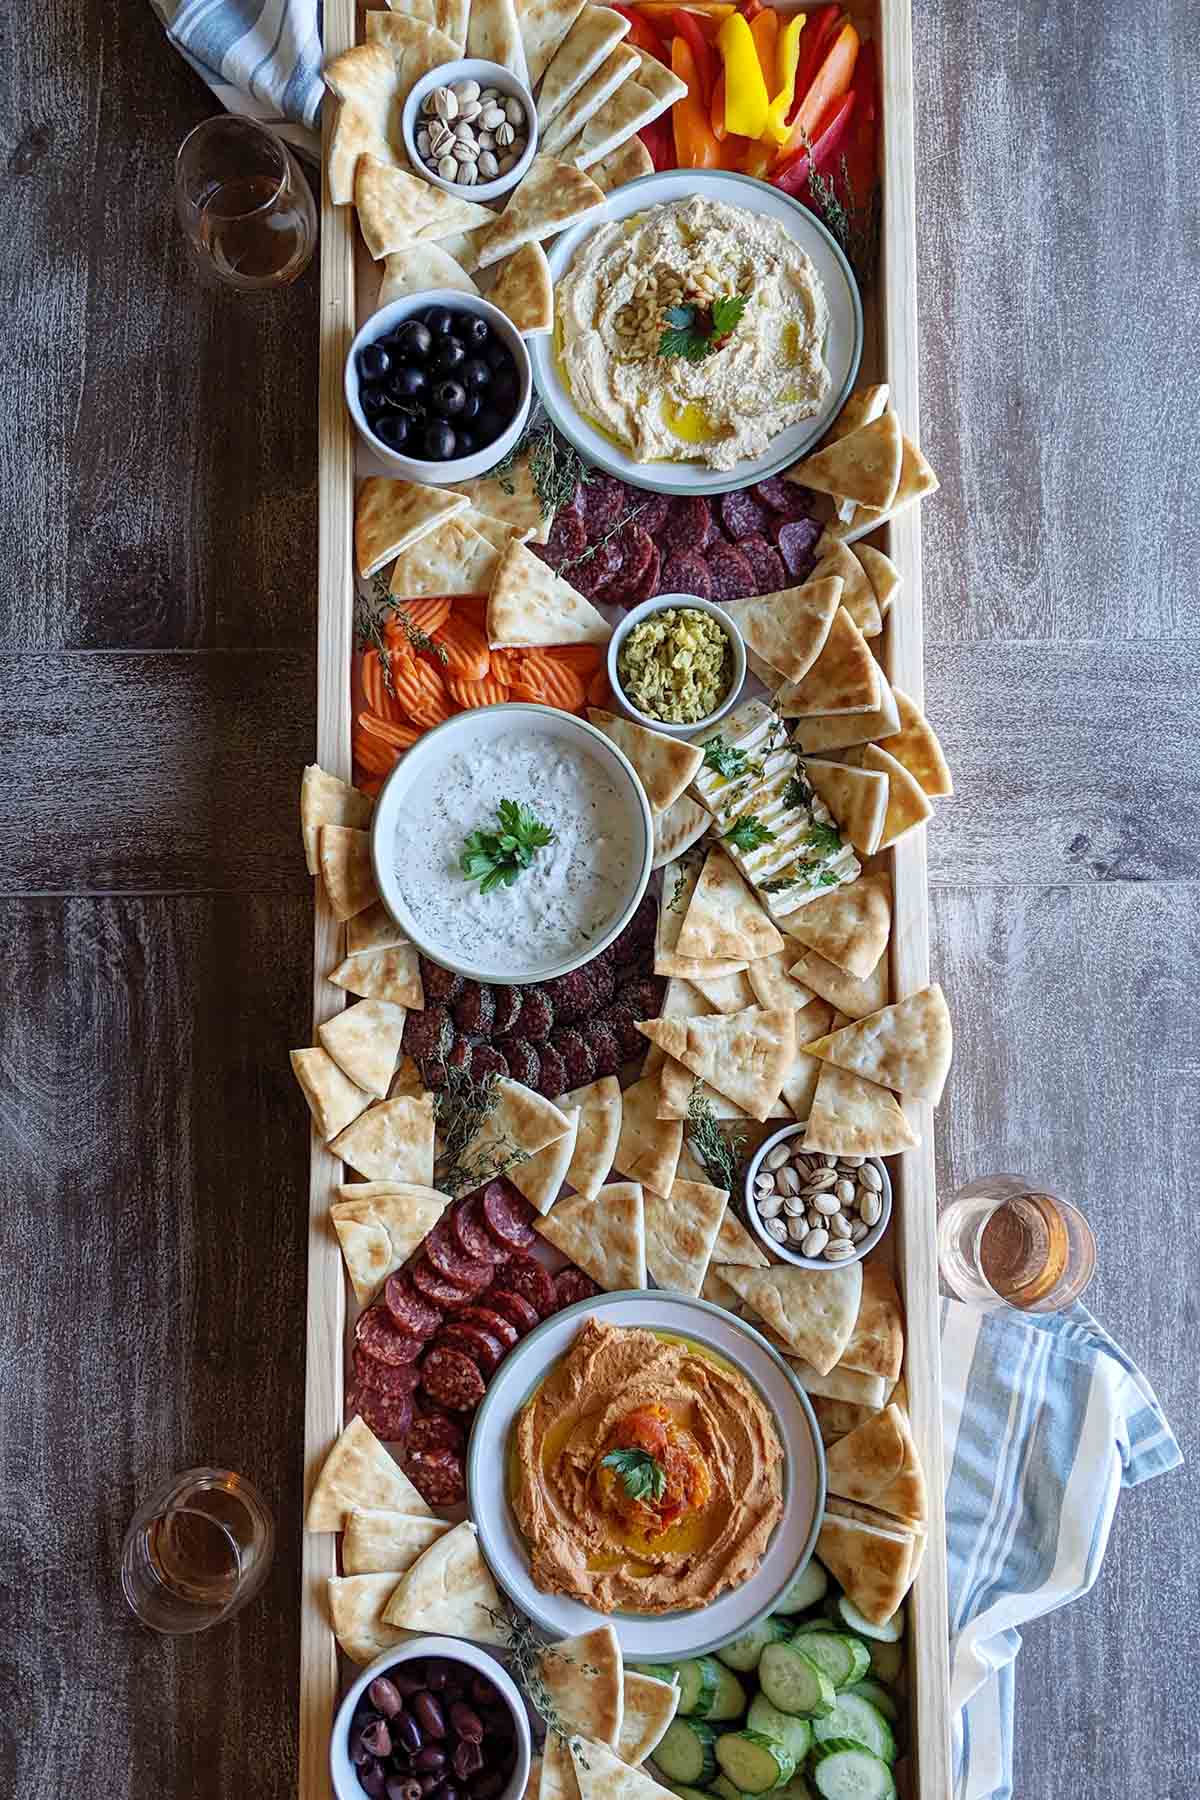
<point>890,354</point>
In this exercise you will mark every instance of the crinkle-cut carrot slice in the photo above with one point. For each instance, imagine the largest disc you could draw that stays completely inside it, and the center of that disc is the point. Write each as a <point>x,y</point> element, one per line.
<point>374,684</point>
<point>466,649</point>
<point>599,691</point>
<point>507,664</point>
<point>421,691</point>
<point>401,734</point>
<point>371,753</point>
<point>371,786</point>
<point>471,606</point>
<point>552,682</point>
<point>585,659</point>
<point>488,692</point>
<point>427,615</point>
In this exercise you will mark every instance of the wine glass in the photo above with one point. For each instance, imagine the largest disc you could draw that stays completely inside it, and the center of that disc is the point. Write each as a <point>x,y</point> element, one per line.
<point>246,209</point>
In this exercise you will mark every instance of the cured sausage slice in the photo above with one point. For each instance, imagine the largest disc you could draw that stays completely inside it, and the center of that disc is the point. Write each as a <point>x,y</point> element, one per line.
<point>685,572</point>
<point>447,1257</point>
<point>388,1415</point>
<point>502,1329</point>
<point>452,1379</point>
<point>507,1214</point>
<point>464,1334</point>
<point>385,1378</point>
<point>571,1285</point>
<point>514,1307</point>
<point>731,574</point>
<point>532,1282</point>
<point>438,1474</point>
<point>766,562</point>
<point>376,1336</point>
<point>742,515</point>
<point>436,1429</point>
<point>435,1288</point>
<point>410,1313</point>
<point>474,1239</point>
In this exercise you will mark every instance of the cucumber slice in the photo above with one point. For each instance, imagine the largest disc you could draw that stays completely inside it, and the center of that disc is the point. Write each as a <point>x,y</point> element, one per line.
<point>722,1785</point>
<point>879,1697</point>
<point>890,1632</point>
<point>887,1661</point>
<point>685,1752</point>
<point>753,1761</point>
<point>706,1690</point>
<point>847,1772</point>
<point>856,1720</point>
<point>817,1623</point>
<point>742,1653</point>
<point>793,1682</point>
<point>729,1701</point>
<point>795,1789</point>
<point>793,1732</point>
<point>845,1659</point>
<point>808,1589</point>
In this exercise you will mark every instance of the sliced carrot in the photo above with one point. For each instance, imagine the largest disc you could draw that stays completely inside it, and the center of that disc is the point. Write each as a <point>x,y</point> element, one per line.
<point>553,683</point>
<point>421,691</point>
<point>466,649</point>
<point>600,689</point>
<point>507,664</point>
<point>401,734</point>
<point>371,787</point>
<point>427,615</point>
<point>371,753</point>
<point>471,606</point>
<point>585,659</point>
<point>488,692</point>
<point>381,701</point>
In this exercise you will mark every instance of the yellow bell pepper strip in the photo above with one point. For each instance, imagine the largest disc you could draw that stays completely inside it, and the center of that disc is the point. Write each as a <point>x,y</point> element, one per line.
<point>687,26</point>
<point>695,145</point>
<point>764,29</point>
<point>746,99</point>
<point>830,84</point>
<point>787,61</point>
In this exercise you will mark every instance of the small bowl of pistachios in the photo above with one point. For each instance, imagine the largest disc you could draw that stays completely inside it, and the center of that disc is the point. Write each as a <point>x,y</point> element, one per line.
<point>815,1210</point>
<point>470,127</point>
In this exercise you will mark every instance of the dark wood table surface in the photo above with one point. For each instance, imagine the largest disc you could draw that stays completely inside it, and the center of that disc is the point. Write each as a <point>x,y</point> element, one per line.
<point>158,519</point>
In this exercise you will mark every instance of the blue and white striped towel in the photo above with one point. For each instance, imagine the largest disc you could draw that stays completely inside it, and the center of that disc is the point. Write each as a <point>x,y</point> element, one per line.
<point>261,58</point>
<point>1045,1421</point>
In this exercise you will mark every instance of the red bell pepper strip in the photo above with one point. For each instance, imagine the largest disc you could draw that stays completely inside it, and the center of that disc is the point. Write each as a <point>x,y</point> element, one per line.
<point>695,145</point>
<point>687,26</point>
<point>792,174</point>
<point>819,32</point>
<point>861,148</point>
<point>832,80</point>
<point>659,142</point>
<point>642,34</point>
<point>751,10</point>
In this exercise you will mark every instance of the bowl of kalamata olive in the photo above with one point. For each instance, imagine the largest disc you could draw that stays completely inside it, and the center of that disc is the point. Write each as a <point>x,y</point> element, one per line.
<point>433,1719</point>
<point>439,385</point>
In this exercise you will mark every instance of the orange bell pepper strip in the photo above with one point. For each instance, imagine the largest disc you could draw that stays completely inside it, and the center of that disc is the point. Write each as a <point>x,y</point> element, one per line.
<point>831,82</point>
<point>746,99</point>
<point>716,107</point>
<point>642,34</point>
<point>819,32</point>
<point>695,145</point>
<point>783,89</point>
<point>764,29</point>
<point>687,26</point>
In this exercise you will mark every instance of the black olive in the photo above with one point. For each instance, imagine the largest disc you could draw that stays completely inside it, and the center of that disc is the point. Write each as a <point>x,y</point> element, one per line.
<point>450,357</point>
<point>408,382</point>
<point>373,362</point>
<point>374,400</point>
<point>439,445</point>
<point>448,398</point>
<point>498,355</point>
<point>504,388</point>
<point>392,430</point>
<point>474,331</point>
<point>414,339</point>
<point>472,406</point>
<point>440,320</point>
<point>476,373</point>
<point>466,443</point>
<point>489,425</point>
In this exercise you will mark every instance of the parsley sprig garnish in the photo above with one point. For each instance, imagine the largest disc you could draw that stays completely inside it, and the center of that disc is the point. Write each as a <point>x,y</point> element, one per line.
<point>495,858</point>
<point>644,1477</point>
<point>748,833</point>
<point>797,792</point>
<point>724,759</point>
<point>825,840</point>
<point>695,332</point>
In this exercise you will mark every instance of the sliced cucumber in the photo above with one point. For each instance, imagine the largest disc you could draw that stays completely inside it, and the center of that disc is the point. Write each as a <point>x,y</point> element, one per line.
<point>808,1589</point>
<point>753,1761</point>
<point>845,1659</point>
<point>722,1785</point>
<point>794,1683</point>
<point>879,1697</point>
<point>845,1771</point>
<point>685,1752</point>
<point>795,1789</point>
<point>890,1632</point>
<point>887,1661</point>
<point>817,1623</point>
<point>707,1690</point>
<point>742,1653</point>
<point>855,1719</point>
<point>793,1732</point>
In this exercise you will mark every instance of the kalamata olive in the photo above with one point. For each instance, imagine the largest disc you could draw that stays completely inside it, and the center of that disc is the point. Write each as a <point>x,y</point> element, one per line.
<point>430,1759</point>
<point>385,1697</point>
<point>372,1779</point>
<point>482,1691</point>
<point>467,1758</point>
<point>498,1718</point>
<point>453,1690</point>
<point>485,1786</point>
<point>466,1722</point>
<point>429,1715</point>
<point>377,1738</point>
<point>406,1731</point>
<point>403,1787</point>
<point>409,1681</point>
<point>359,1754</point>
<point>427,1783</point>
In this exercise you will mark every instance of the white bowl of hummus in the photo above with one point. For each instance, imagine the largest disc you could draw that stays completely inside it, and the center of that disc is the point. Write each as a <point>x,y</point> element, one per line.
<point>664,664</point>
<point>707,331</point>
<point>502,896</point>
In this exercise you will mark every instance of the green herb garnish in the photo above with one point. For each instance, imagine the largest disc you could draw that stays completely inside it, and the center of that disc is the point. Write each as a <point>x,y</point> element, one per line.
<point>695,332</point>
<point>778,884</point>
<point>748,833</point>
<point>720,1155</point>
<point>555,467</point>
<point>797,792</point>
<point>826,840</point>
<point>678,892</point>
<point>644,1478</point>
<point>495,858</point>
<point>725,759</point>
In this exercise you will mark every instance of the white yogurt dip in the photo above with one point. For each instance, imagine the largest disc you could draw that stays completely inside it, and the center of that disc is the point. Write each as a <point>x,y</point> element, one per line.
<point>573,887</point>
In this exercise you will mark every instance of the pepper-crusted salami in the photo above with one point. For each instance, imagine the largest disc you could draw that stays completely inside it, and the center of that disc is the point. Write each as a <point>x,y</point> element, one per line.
<point>452,1379</point>
<point>438,1475</point>
<point>440,985</point>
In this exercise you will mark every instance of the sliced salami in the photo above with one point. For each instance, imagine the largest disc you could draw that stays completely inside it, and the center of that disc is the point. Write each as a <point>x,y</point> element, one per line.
<point>689,525</point>
<point>571,1285</point>
<point>568,536</point>
<point>766,562</point>
<point>448,1258</point>
<point>452,1379</point>
<point>532,1282</point>
<point>742,515</point>
<point>637,550</point>
<point>377,1337</point>
<point>436,1429</point>
<point>388,1415</point>
<point>438,1474</point>
<point>592,572</point>
<point>386,1378</point>
<point>507,1214</point>
<point>488,1319</point>
<point>648,586</point>
<point>514,1307</point>
<point>651,510</point>
<point>775,492</point>
<point>796,541</point>
<point>732,576</point>
<point>484,1350</point>
<point>410,1313</point>
<point>475,1241</point>
<point>601,502</point>
<point>686,572</point>
<point>435,1288</point>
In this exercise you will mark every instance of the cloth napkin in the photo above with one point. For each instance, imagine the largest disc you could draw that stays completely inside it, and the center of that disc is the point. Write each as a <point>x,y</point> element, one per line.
<point>261,58</point>
<point>1045,1421</point>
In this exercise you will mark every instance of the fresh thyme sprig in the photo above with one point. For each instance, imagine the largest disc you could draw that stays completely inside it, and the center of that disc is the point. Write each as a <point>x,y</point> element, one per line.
<point>373,612</point>
<point>626,518</point>
<point>555,467</point>
<point>720,1155</point>
<point>526,1652</point>
<point>460,1110</point>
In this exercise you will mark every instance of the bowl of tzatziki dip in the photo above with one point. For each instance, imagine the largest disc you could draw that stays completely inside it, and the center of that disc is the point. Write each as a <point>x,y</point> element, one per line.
<point>512,843</point>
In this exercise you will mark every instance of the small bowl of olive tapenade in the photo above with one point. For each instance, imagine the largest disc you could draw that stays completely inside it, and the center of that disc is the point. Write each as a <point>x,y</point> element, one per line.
<point>676,664</point>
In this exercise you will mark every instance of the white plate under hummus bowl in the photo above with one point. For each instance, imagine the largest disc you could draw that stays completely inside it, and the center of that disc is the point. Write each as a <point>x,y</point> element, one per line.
<point>843,344</point>
<point>648,1637</point>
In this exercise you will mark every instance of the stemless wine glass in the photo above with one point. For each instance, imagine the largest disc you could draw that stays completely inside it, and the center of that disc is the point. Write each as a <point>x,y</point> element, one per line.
<point>1003,1241</point>
<point>245,207</point>
<point>196,1550</point>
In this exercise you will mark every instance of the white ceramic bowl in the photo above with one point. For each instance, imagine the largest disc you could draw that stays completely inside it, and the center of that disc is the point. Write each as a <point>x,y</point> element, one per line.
<point>471,732</point>
<point>843,346</point>
<point>785,1251</point>
<point>487,74</point>
<point>345,1777</point>
<point>460,468</point>
<point>649,1637</point>
<point>660,603</point>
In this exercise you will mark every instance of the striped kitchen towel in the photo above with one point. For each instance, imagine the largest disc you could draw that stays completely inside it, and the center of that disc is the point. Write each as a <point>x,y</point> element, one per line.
<point>261,58</point>
<point>1046,1420</point>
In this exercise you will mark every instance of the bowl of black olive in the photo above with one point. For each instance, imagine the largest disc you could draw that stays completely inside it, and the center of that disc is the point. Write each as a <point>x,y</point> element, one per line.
<point>433,1719</point>
<point>439,385</point>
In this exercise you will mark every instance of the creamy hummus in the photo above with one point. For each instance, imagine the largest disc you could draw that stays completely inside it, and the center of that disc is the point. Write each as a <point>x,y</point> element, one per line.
<point>600,1526</point>
<point>768,373</point>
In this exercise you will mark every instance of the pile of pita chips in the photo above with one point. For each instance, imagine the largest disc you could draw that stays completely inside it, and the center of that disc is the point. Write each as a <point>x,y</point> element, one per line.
<point>396,208</point>
<point>541,1175</point>
<point>528,604</point>
<point>552,196</point>
<point>524,291</point>
<point>512,497</point>
<point>359,1473</point>
<point>874,1564</point>
<point>392,1142</point>
<point>837,731</point>
<point>599,1106</point>
<point>916,748</point>
<point>649,1707</point>
<point>379,1225</point>
<point>664,765</point>
<point>324,800</point>
<point>333,1099</point>
<point>680,881</point>
<point>862,467</point>
<point>449,1589</point>
<point>649,92</point>
<point>451,559</point>
<point>521,1120</point>
<point>605,1235</point>
<point>849,926</point>
<point>592,38</point>
<point>907,806</point>
<point>383,972</point>
<point>746,1055</point>
<point>856,996</point>
<point>544,25</point>
<point>596,91</point>
<point>843,679</point>
<point>630,161</point>
<point>417,268</point>
<point>906,1047</point>
<point>857,798</point>
<point>364,1042</point>
<point>811,1311</point>
<point>371,81</point>
<point>494,33</point>
<point>356,1604</point>
<point>725,919</point>
<point>377,1540</point>
<point>681,1231</point>
<point>391,515</point>
<point>601,1775</point>
<point>648,1147</point>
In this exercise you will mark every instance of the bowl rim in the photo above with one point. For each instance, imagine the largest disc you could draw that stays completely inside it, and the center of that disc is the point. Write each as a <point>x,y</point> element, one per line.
<point>645,610</point>
<point>459,468</point>
<point>861,1249</point>
<point>467,68</point>
<point>538,714</point>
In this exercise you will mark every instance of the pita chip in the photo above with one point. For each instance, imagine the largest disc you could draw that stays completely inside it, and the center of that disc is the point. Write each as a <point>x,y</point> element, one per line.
<point>358,1472</point>
<point>630,161</point>
<point>770,983</point>
<point>542,1175</point>
<point>592,38</point>
<point>558,1770</point>
<point>857,798</point>
<point>681,1229</point>
<point>812,1310</point>
<point>677,829</point>
<point>602,1776</point>
<point>650,1705</point>
<point>735,1245</point>
<point>840,1383</point>
<point>356,1604</point>
<point>530,604</point>
<point>916,746</point>
<point>391,515</point>
<point>407,1082</point>
<point>853,996</point>
<point>605,1235</point>
<point>682,1000</point>
<point>521,509</point>
<point>863,405</point>
<point>450,559</point>
<point>800,1082</point>
<point>333,1099</point>
<point>524,291</point>
<point>359,129</point>
<point>552,196</point>
<point>520,1120</point>
<point>863,466</point>
<point>648,1147</point>
<point>583,1678</point>
<point>849,926</point>
<point>680,880</point>
<point>675,1088</point>
<point>664,765</point>
<point>599,1106</point>
<point>882,574</point>
<point>857,595</point>
<point>789,629</point>
<point>631,107</point>
<point>450,16</point>
<point>379,1224</point>
<point>596,90</point>
<point>876,1345</point>
<point>837,1418</point>
<point>396,208</point>
<point>544,25</point>
<point>907,806</point>
<point>324,800</point>
<point>364,1042</point>
<point>852,1117</point>
<point>345,858</point>
<point>662,82</point>
<point>416,269</point>
<point>393,973</point>
<point>374,929</point>
<point>917,480</point>
<point>844,678</point>
<point>840,730</point>
<point>448,1589</point>
<point>906,1046</point>
<point>494,33</point>
<point>718,1292</point>
<point>744,1055</point>
<point>496,531</point>
<point>724,917</point>
<point>871,1563</point>
<point>418,43</point>
<point>377,1541</point>
<point>725,993</point>
<point>392,1141</point>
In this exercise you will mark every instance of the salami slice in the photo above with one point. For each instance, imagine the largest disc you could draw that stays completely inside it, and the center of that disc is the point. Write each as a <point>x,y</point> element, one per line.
<point>532,1282</point>
<point>507,1214</point>
<point>742,515</point>
<point>601,502</point>
<point>385,1378</point>
<point>652,509</point>
<point>796,541</point>
<point>732,576</point>
<point>648,586</point>
<point>514,1307</point>
<point>388,1415</point>
<point>686,573</point>
<point>438,1474</point>
<point>484,1350</point>
<point>377,1337</point>
<point>452,1379</point>
<point>689,525</point>
<point>592,572</point>
<point>571,1285</point>
<point>775,492</point>
<point>435,1288</point>
<point>637,550</point>
<point>409,1312</point>
<point>766,562</point>
<point>488,1319</point>
<point>475,1241</point>
<point>448,1258</point>
<point>436,1429</point>
<point>568,536</point>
